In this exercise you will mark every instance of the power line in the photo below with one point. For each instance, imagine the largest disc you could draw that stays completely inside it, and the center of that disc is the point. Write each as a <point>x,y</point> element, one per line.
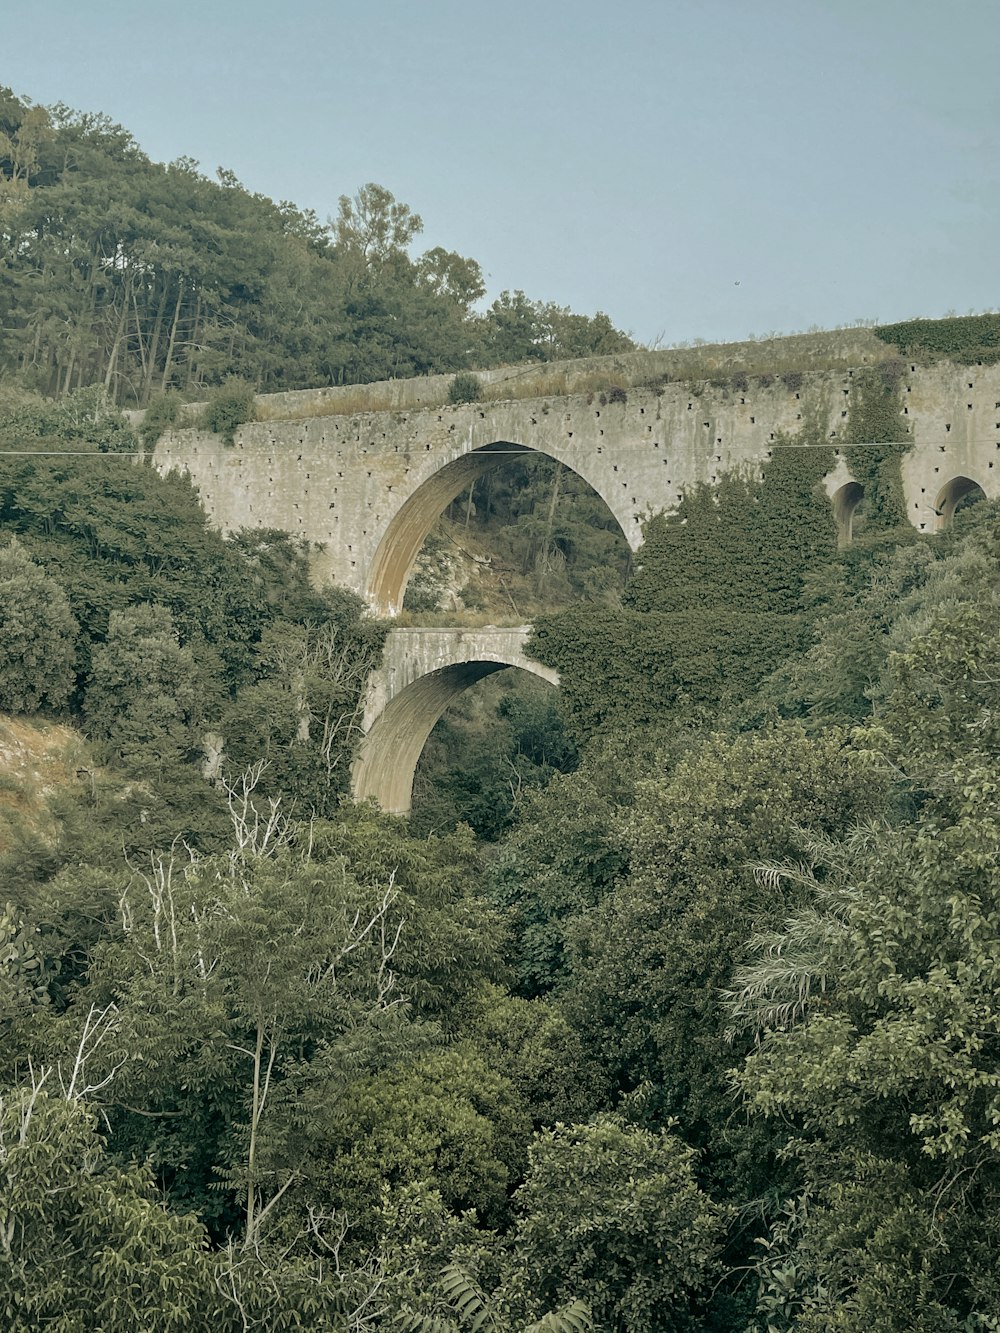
<point>68,453</point>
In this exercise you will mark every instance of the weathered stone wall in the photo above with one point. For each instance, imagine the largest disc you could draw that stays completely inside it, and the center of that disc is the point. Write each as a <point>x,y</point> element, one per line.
<point>364,490</point>
<point>954,413</point>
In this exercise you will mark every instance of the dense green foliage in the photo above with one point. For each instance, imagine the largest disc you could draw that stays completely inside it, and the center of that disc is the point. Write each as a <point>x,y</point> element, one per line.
<point>465,388</point>
<point>877,438</point>
<point>696,1029</point>
<point>962,338</point>
<point>494,746</point>
<point>123,607</point>
<point>37,635</point>
<point>715,605</point>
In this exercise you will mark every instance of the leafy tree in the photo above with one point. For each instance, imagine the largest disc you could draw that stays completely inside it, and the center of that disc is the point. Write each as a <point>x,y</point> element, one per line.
<point>453,939</point>
<point>512,331</point>
<point>375,225</point>
<point>448,274</point>
<point>836,679</point>
<point>565,856</point>
<point>37,635</point>
<point>534,1048</point>
<point>143,697</point>
<point>613,1212</point>
<point>518,329</point>
<point>87,1244</point>
<point>647,964</point>
<point>570,335</point>
<point>246,988</point>
<point>875,1013</point>
<point>116,535</point>
<point>302,715</point>
<point>23,978</point>
<point>445,1118</point>
<point>492,748</point>
<point>474,1309</point>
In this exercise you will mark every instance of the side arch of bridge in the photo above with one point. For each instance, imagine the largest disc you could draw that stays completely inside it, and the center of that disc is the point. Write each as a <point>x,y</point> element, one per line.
<point>422,671</point>
<point>953,493</point>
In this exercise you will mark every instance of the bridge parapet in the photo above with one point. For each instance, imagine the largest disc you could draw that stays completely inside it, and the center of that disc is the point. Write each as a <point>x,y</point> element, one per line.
<point>422,671</point>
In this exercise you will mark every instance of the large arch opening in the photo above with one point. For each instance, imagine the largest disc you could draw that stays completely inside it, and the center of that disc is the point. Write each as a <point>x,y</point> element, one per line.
<point>959,493</point>
<point>406,534</point>
<point>848,511</point>
<point>389,753</point>
<point>494,745</point>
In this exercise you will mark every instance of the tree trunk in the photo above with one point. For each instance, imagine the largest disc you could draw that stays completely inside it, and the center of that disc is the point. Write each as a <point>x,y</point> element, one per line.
<point>173,337</point>
<point>194,345</point>
<point>154,344</point>
<point>550,519</point>
<point>138,333</point>
<point>116,344</point>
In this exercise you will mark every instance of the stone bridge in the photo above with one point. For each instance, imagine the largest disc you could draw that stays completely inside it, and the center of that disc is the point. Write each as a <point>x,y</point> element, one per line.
<point>421,673</point>
<point>365,490</point>
<point>364,487</point>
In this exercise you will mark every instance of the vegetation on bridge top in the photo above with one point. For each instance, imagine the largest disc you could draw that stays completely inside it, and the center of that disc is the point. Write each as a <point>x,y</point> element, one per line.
<point>778,360</point>
<point>967,339</point>
<point>761,363</point>
<point>737,366</point>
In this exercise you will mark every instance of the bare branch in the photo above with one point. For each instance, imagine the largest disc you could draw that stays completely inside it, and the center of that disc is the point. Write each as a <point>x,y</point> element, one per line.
<point>257,831</point>
<point>97,1027</point>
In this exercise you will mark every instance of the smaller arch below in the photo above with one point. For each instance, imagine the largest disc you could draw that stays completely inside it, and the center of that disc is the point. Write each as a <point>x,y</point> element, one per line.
<point>955,494</point>
<point>846,502</point>
<point>409,692</point>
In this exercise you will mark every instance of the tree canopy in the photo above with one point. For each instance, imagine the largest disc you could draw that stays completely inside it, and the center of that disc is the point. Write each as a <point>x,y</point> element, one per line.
<point>144,278</point>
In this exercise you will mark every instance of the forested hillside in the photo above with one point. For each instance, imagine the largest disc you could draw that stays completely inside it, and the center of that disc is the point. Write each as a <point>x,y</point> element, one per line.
<point>144,278</point>
<point>674,1007</point>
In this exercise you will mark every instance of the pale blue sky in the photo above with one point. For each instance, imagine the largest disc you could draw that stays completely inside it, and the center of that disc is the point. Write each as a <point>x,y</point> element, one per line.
<point>837,159</point>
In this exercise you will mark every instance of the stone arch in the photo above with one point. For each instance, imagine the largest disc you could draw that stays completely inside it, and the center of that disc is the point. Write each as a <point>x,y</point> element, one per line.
<point>406,531</point>
<point>408,694</point>
<point>389,754</point>
<point>953,494</point>
<point>845,505</point>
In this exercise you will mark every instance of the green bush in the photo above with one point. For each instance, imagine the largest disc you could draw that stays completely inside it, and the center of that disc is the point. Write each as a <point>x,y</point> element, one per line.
<point>162,412</point>
<point>230,406</point>
<point>465,388</point>
<point>37,635</point>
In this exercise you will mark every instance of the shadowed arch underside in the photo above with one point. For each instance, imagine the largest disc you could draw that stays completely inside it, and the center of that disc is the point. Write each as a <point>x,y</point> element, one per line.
<point>845,504</point>
<point>405,535</point>
<point>389,753</point>
<point>953,494</point>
